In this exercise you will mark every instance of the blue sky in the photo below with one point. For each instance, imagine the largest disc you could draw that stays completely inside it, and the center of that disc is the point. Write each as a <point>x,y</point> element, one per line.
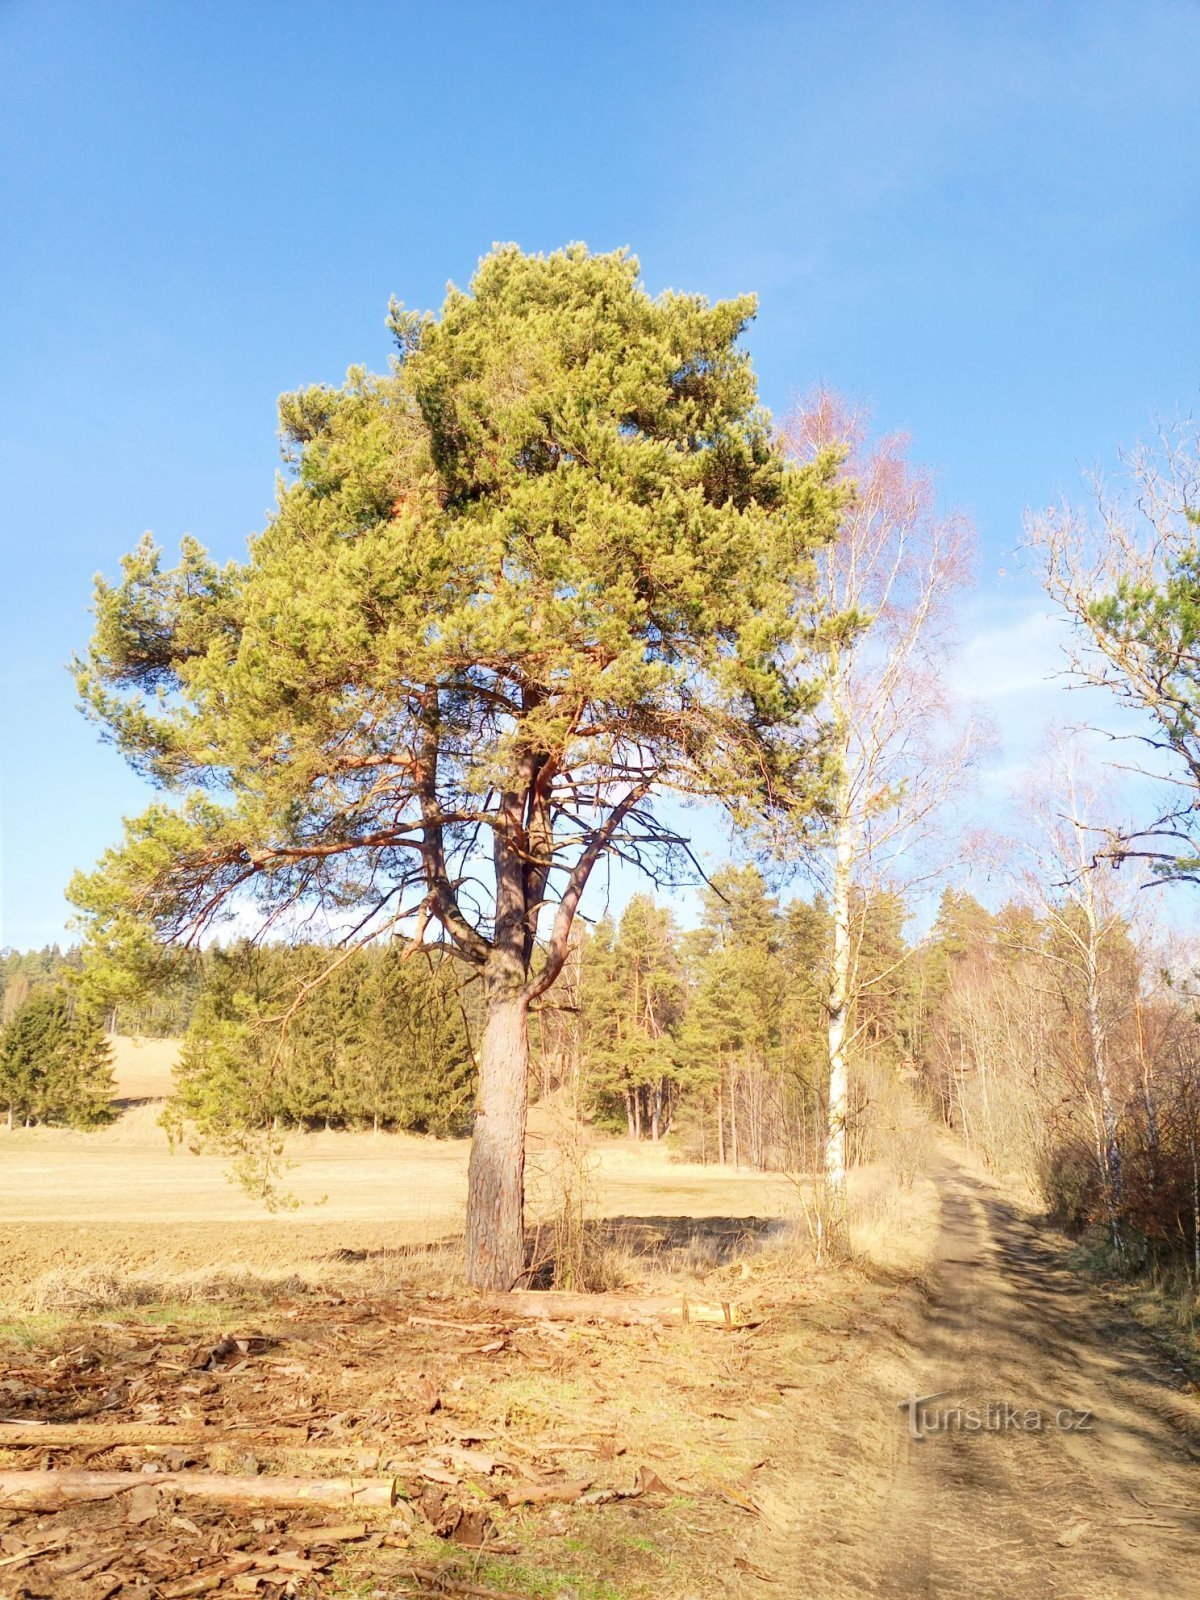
<point>982,218</point>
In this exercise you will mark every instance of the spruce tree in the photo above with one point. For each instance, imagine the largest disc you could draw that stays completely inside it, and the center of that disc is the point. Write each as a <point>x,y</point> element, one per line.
<point>55,1063</point>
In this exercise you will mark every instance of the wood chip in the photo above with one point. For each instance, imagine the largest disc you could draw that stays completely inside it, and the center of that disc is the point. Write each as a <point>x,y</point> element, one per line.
<point>24,1557</point>
<point>143,1504</point>
<point>649,1482</point>
<point>535,1494</point>
<point>335,1533</point>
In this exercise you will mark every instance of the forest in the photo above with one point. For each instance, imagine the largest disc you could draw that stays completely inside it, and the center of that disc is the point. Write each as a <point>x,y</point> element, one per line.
<point>1059,1040</point>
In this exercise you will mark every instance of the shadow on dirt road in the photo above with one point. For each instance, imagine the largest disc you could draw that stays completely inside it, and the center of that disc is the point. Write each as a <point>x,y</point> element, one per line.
<point>1056,1459</point>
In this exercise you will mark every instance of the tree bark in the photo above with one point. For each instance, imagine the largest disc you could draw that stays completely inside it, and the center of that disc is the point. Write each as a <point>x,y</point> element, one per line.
<point>733,1120</point>
<point>720,1114</point>
<point>47,1490</point>
<point>495,1242</point>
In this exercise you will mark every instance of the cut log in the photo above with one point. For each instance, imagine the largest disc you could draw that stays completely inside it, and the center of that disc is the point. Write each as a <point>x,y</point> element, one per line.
<point>555,1306</point>
<point>448,1322</point>
<point>101,1435</point>
<point>333,1533</point>
<point>45,1490</point>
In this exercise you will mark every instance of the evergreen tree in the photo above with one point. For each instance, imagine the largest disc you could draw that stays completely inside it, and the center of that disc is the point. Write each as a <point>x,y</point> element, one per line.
<point>55,1063</point>
<point>634,990</point>
<point>383,1044</point>
<point>551,564</point>
<point>738,1015</point>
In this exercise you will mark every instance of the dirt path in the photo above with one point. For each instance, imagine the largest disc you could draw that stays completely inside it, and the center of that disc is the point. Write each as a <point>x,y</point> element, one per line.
<point>1102,1505</point>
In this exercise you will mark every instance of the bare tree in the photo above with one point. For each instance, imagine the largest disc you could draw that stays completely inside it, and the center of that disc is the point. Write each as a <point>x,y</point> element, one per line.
<point>889,579</point>
<point>1126,572</point>
<point>1089,915</point>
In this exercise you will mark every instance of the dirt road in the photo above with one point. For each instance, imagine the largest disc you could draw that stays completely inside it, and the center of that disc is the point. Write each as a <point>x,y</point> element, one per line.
<point>1059,1458</point>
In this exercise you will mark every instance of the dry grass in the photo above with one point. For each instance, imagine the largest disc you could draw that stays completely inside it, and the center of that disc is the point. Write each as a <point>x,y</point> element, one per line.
<point>144,1237</point>
<point>85,1291</point>
<point>144,1068</point>
<point>717,1416</point>
<point>893,1226</point>
<point>112,1219</point>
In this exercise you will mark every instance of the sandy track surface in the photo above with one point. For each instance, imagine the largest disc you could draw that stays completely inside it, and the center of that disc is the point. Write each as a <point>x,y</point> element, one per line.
<point>1103,1507</point>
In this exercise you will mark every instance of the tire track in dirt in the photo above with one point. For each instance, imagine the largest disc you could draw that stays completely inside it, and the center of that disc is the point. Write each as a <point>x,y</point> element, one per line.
<point>1009,1510</point>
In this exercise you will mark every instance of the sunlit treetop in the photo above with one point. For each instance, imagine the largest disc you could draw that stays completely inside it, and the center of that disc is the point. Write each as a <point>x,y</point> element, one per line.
<point>548,565</point>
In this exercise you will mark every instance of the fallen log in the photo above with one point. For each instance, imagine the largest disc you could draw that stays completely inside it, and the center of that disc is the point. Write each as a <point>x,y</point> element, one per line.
<point>36,1491</point>
<point>99,1435</point>
<point>557,1306</point>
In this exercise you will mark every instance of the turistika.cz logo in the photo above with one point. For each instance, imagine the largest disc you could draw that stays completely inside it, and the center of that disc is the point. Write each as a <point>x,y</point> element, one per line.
<point>925,1416</point>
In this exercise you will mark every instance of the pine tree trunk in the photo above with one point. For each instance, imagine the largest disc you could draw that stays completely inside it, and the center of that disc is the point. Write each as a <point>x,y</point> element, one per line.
<point>496,1176</point>
<point>720,1116</point>
<point>733,1122</point>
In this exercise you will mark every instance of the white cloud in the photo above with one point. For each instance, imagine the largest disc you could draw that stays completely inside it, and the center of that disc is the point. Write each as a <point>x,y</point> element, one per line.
<point>1018,655</point>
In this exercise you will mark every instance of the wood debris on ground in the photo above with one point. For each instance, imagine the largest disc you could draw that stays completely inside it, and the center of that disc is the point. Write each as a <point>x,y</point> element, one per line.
<point>140,1459</point>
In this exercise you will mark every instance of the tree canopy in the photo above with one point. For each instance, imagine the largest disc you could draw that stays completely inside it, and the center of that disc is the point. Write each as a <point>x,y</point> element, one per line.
<point>551,555</point>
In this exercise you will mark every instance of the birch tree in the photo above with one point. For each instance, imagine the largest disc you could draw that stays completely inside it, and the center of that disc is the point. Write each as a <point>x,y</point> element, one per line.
<point>885,594</point>
<point>1089,916</point>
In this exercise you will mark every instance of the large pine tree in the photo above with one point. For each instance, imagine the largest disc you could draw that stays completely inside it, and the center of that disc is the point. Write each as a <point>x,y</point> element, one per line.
<point>548,566</point>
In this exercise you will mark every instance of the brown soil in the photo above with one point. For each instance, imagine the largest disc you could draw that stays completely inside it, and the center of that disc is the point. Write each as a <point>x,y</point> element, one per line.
<point>1104,1509</point>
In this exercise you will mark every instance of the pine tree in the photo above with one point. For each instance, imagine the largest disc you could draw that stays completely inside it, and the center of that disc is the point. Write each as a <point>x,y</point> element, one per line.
<point>549,565</point>
<point>736,1027</point>
<point>634,997</point>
